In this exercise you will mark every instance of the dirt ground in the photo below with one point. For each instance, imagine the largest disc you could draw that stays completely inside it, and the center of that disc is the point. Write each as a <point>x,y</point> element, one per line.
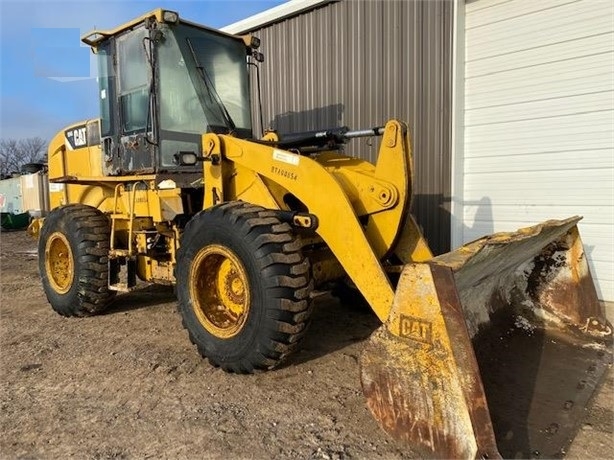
<point>128,384</point>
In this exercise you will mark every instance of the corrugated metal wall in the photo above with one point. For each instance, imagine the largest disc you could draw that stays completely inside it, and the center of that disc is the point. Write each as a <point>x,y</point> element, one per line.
<point>359,63</point>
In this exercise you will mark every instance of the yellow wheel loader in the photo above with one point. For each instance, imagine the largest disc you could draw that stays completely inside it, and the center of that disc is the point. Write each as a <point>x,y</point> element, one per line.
<point>491,350</point>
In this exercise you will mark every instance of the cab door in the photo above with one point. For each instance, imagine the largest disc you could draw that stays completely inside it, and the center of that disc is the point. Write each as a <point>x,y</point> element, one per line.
<point>136,150</point>
<point>127,112</point>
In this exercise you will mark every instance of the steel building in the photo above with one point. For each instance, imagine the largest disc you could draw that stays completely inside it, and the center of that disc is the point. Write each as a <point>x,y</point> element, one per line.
<point>510,104</point>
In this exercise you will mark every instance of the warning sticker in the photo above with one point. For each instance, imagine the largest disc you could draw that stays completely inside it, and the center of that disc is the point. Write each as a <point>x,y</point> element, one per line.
<point>53,187</point>
<point>285,157</point>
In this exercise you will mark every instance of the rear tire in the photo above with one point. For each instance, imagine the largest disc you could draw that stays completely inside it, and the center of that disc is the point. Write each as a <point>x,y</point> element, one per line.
<point>243,286</point>
<point>73,250</point>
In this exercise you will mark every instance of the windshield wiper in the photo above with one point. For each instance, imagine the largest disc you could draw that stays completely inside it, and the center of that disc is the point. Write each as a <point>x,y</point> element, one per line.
<point>213,94</point>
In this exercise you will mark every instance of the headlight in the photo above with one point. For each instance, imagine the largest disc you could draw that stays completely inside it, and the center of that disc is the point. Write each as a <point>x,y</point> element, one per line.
<point>170,16</point>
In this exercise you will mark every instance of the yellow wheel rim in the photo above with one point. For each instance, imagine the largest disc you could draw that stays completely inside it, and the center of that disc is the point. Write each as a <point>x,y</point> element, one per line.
<point>59,263</point>
<point>219,290</point>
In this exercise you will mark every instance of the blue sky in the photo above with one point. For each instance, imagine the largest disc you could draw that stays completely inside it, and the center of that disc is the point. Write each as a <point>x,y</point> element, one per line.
<point>46,76</point>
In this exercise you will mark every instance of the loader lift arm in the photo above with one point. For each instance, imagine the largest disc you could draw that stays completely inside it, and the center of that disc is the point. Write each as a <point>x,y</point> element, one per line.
<point>357,249</point>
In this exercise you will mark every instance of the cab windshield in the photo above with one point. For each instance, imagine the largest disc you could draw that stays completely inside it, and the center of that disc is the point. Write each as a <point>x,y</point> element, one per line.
<point>203,84</point>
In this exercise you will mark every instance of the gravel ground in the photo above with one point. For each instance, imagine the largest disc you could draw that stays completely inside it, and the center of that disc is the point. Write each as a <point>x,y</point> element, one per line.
<point>128,384</point>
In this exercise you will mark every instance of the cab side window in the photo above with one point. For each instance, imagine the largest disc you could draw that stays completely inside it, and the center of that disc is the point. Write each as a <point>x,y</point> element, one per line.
<point>106,84</point>
<point>133,88</point>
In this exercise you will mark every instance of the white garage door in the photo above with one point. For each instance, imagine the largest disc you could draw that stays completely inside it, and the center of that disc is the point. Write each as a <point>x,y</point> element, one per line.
<point>538,121</point>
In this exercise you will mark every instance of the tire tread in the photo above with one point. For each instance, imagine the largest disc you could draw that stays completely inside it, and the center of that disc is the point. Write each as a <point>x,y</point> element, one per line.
<point>90,235</point>
<point>287,281</point>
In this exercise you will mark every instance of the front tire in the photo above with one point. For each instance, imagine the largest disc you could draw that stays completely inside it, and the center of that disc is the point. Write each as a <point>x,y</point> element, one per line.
<point>73,250</point>
<point>243,286</point>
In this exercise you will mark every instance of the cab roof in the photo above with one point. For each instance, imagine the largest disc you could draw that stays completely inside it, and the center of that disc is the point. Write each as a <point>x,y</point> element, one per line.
<point>94,37</point>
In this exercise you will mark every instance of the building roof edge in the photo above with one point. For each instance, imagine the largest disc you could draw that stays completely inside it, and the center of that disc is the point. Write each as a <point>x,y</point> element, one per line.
<point>275,14</point>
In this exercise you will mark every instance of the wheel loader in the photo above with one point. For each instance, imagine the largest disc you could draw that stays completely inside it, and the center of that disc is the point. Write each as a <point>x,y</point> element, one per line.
<point>491,350</point>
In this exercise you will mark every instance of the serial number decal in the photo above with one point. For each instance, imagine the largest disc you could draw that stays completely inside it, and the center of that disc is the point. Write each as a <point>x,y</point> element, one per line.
<point>416,329</point>
<point>290,158</point>
<point>284,173</point>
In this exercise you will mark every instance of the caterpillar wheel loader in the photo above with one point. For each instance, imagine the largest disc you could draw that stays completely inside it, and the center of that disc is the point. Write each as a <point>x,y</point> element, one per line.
<point>491,350</point>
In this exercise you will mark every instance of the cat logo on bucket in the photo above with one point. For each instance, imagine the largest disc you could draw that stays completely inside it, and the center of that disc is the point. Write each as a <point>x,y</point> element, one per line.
<point>415,329</point>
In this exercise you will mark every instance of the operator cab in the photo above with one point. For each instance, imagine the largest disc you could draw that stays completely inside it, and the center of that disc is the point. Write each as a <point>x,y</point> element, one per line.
<point>163,82</point>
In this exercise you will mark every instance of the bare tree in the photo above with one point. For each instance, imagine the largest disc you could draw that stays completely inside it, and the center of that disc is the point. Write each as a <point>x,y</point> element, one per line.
<point>16,153</point>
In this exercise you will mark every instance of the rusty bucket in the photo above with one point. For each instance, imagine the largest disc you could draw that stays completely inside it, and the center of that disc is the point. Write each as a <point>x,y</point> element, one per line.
<point>492,350</point>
